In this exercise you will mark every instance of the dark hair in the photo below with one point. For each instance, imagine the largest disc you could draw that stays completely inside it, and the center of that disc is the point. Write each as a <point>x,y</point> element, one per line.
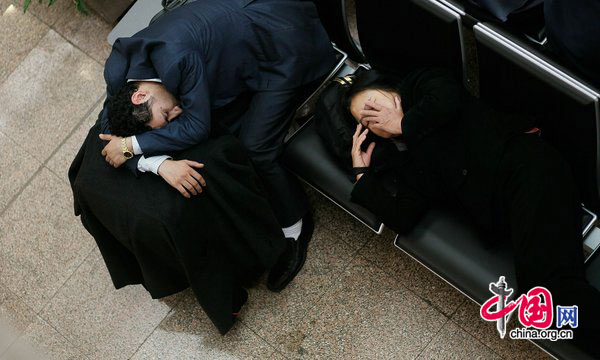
<point>368,80</point>
<point>126,118</point>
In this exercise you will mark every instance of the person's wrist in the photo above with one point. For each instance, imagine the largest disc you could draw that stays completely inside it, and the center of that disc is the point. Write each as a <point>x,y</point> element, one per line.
<point>160,167</point>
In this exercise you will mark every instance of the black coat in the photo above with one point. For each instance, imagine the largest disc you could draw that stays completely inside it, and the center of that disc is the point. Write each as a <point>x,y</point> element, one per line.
<point>149,234</point>
<point>573,29</point>
<point>454,145</point>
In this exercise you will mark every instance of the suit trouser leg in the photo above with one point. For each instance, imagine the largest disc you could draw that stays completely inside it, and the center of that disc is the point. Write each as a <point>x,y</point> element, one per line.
<point>262,129</point>
<point>540,201</point>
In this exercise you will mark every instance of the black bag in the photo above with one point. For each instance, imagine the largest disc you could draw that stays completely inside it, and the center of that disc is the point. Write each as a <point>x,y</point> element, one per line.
<point>331,122</point>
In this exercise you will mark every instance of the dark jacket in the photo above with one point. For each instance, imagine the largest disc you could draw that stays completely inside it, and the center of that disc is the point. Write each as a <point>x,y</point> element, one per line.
<point>501,9</point>
<point>208,52</point>
<point>149,234</point>
<point>573,29</point>
<point>454,145</point>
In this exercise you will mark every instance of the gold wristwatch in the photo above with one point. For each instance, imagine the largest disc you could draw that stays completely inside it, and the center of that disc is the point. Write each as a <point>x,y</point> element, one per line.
<point>128,154</point>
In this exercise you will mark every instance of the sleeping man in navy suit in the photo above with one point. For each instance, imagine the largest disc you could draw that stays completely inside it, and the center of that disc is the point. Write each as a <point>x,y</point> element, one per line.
<point>172,77</point>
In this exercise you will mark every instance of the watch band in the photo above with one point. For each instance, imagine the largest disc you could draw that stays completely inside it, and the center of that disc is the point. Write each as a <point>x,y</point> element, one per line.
<point>126,152</point>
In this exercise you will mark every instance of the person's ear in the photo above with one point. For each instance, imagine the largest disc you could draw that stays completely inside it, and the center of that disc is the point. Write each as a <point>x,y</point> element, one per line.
<point>139,97</point>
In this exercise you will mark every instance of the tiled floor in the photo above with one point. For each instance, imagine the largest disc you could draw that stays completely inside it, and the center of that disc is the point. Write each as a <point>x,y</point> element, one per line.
<point>357,297</point>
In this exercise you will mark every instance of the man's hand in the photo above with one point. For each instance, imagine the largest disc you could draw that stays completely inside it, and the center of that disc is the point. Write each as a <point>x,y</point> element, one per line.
<point>112,152</point>
<point>181,175</point>
<point>361,158</point>
<point>377,116</point>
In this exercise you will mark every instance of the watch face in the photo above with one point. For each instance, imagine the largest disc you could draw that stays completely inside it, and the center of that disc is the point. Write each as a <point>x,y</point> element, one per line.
<point>128,154</point>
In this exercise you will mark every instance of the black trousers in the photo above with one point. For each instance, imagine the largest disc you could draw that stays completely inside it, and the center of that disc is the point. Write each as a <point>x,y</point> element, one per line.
<point>537,202</point>
<point>260,121</point>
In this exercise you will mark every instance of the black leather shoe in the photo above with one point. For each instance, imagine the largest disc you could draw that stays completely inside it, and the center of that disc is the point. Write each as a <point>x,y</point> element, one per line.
<point>240,296</point>
<point>292,259</point>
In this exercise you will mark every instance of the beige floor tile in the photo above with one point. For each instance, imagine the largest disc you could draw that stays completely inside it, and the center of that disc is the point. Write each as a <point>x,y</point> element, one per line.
<point>15,316</point>
<point>42,241</point>
<point>4,292</point>
<point>276,356</point>
<point>51,14</point>
<point>468,318</point>
<point>17,168</point>
<point>103,322</point>
<point>187,333</point>
<point>61,160</point>
<point>20,33</point>
<point>86,32</point>
<point>41,341</point>
<point>267,312</point>
<point>382,252</point>
<point>454,343</point>
<point>367,315</point>
<point>346,227</point>
<point>48,94</point>
<point>40,9</point>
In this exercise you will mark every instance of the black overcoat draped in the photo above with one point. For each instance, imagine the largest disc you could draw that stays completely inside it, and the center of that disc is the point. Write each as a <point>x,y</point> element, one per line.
<point>150,234</point>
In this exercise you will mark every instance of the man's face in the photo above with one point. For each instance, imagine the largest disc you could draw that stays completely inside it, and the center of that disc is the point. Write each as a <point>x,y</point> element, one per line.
<point>163,104</point>
<point>382,97</point>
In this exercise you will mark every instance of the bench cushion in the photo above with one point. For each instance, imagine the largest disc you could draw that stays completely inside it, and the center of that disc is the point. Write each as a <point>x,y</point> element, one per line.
<point>446,244</point>
<point>307,157</point>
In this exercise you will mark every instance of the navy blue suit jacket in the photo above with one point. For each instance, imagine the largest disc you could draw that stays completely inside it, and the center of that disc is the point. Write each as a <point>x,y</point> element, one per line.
<point>208,52</point>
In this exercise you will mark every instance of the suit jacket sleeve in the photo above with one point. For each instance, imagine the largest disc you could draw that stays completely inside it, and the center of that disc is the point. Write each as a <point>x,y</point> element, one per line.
<point>400,211</point>
<point>434,97</point>
<point>193,125</point>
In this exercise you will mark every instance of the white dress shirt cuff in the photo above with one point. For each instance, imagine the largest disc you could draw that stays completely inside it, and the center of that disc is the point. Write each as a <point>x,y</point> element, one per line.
<point>137,150</point>
<point>151,163</point>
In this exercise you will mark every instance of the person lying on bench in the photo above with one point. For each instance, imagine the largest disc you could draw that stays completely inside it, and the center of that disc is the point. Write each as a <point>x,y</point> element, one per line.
<point>433,150</point>
<point>210,54</point>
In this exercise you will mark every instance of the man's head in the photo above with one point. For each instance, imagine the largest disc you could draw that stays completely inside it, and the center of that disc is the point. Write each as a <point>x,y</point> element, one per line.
<point>375,87</point>
<point>140,106</point>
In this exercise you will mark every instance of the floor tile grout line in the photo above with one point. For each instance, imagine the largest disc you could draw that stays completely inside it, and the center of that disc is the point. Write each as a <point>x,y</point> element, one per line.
<point>154,330</point>
<point>417,295</point>
<point>432,338</point>
<point>43,163</point>
<point>475,337</point>
<point>65,339</point>
<point>54,295</point>
<point>17,333</point>
<point>101,63</point>
<point>53,28</point>
<point>37,43</point>
<point>327,291</point>
<point>16,144</point>
<point>275,349</point>
<point>315,303</point>
<point>79,123</point>
<point>45,306</point>
<point>426,301</point>
<point>8,205</point>
<point>465,299</point>
<point>18,193</point>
